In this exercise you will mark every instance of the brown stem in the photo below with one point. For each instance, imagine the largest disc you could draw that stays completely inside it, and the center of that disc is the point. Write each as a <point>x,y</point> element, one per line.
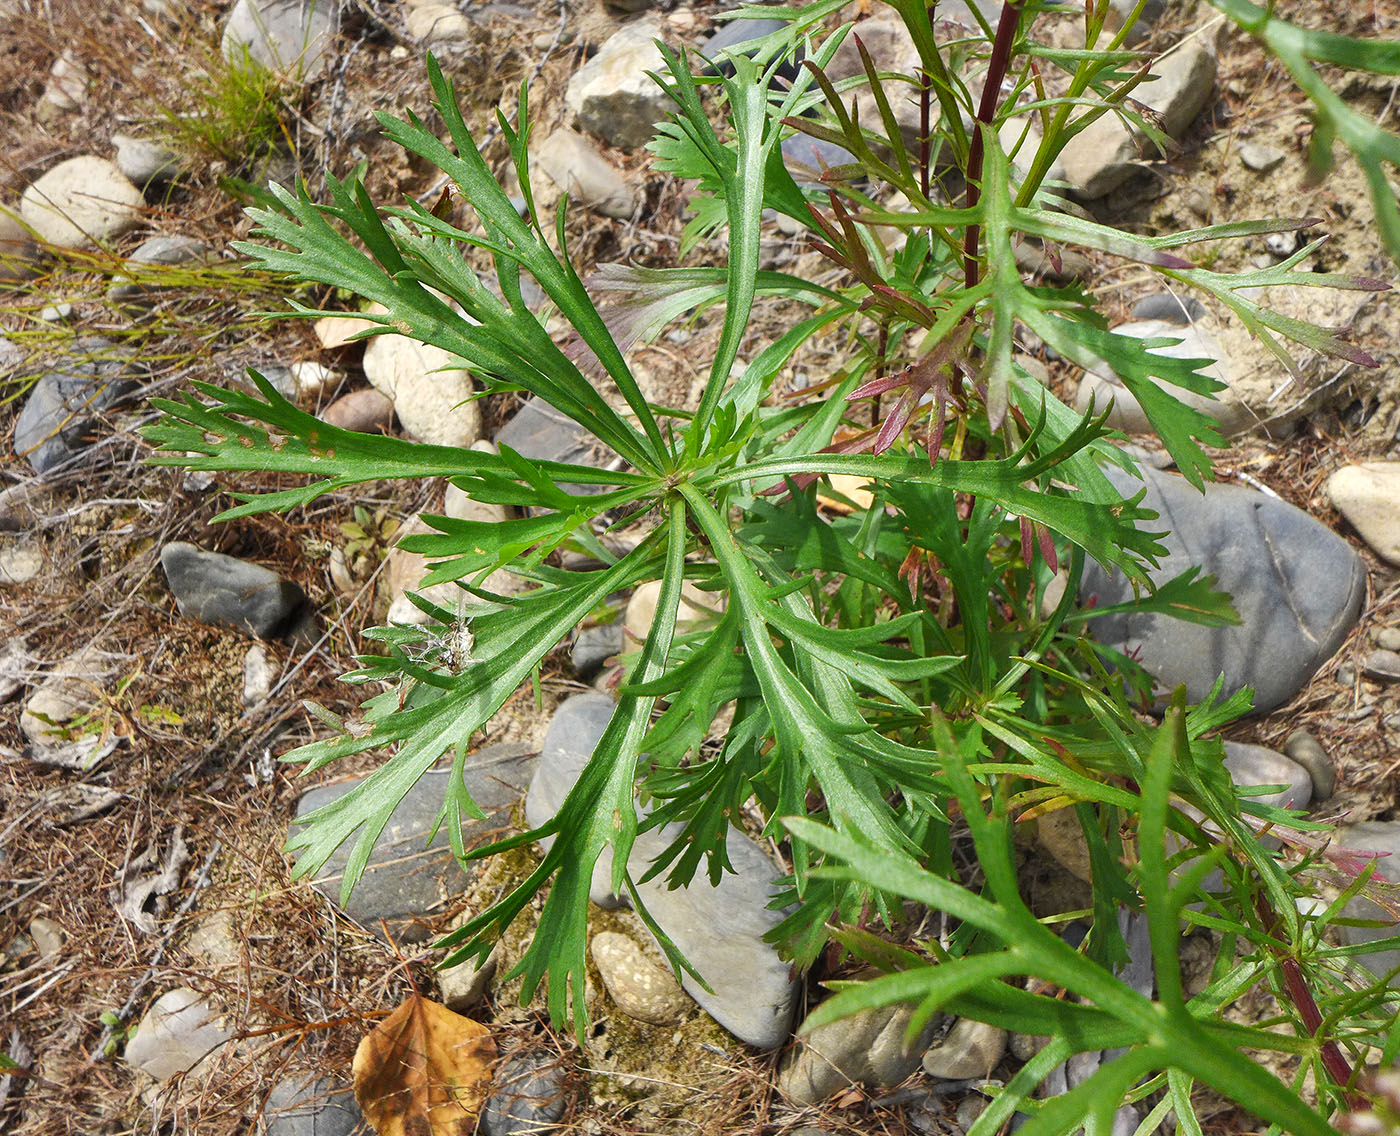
<point>986,111</point>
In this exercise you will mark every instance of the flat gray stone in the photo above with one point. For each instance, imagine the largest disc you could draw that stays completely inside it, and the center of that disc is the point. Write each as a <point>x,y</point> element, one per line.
<point>315,1107</point>
<point>594,646</point>
<point>1250,765</point>
<point>291,37</point>
<point>529,1099</point>
<point>408,878</point>
<point>867,1048</point>
<point>1261,158</point>
<point>1297,586</point>
<point>719,929</point>
<point>60,413</point>
<point>178,1034</point>
<point>1179,310</point>
<point>541,433</point>
<point>142,161</point>
<point>1373,836</point>
<point>219,589</point>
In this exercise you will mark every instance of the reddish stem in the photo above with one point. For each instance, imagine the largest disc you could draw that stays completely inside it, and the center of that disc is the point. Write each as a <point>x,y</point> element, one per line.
<point>986,111</point>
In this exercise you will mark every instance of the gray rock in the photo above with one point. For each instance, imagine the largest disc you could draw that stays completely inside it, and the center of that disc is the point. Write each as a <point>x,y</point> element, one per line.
<point>177,1034</point>
<point>867,1048</point>
<point>530,1097</point>
<point>575,166</point>
<point>81,203</point>
<point>165,251</point>
<point>213,588</point>
<point>1179,310</point>
<point>1381,664</point>
<point>1250,765</point>
<point>806,157</point>
<point>56,313</point>
<point>735,32</point>
<point>142,161</point>
<point>1388,638</point>
<point>1120,10</point>
<point>463,986</point>
<point>291,37</point>
<point>366,411</point>
<point>59,416</point>
<point>1308,752</point>
<point>613,97</point>
<point>594,646</point>
<point>314,1107</point>
<point>19,563</point>
<point>1103,156</point>
<point>541,433</point>
<point>1259,157</point>
<point>1297,587</point>
<point>1373,836</point>
<point>407,877</point>
<point>719,929</point>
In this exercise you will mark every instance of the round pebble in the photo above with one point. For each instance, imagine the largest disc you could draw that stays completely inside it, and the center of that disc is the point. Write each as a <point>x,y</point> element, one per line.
<point>1308,752</point>
<point>641,989</point>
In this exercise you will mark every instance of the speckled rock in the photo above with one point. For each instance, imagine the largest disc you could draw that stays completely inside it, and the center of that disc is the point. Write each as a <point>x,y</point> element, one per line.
<point>613,97</point>
<point>641,989</point>
<point>433,404</point>
<point>81,203</point>
<point>1297,587</point>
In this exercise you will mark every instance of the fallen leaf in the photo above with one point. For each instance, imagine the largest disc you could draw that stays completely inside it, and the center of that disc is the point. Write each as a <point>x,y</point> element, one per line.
<point>424,1071</point>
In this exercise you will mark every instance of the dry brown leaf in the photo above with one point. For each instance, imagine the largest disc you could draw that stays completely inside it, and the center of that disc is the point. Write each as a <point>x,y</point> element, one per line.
<point>424,1071</point>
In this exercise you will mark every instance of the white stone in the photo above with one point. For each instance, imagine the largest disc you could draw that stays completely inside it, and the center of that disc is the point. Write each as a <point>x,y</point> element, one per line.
<point>81,202</point>
<point>695,607</point>
<point>433,405</point>
<point>613,97</point>
<point>1368,496</point>
<point>176,1034</point>
<point>143,161</point>
<point>258,675</point>
<point>290,37</point>
<point>312,378</point>
<point>576,167</point>
<point>457,505</point>
<point>67,87</point>
<point>19,563</point>
<point>438,23</point>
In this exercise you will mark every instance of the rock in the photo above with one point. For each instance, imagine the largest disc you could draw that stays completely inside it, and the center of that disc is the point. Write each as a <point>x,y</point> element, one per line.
<point>1195,343</point>
<point>17,249</point>
<point>594,646</point>
<point>67,87</point>
<point>529,1098</point>
<point>1388,638</point>
<point>337,331</point>
<point>695,607</point>
<point>81,203</point>
<point>259,673</point>
<point>806,158</point>
<point>1308,752</point>
<point>70,691</point>
<point>1297,587</point>
<point>213,588</point>
<point>971,1049</point>
<point>867,1048</point>
<point>291,37</point>
<point>143,162</point>
<point>363,411</point>
<point>1382,664</point>
<point>1259,157</point>
<point>613,97</point>
<point>56,313</point>
<point>1104,154</point>
<point>216,943</point>
<point>48,937</point>
<point>1181,311</point>
<point>167,251</point>
<point>1061,834</point>
<point>457,505</point>
<point>1250,765</point>
<point>541,433</point>
<point>19,563</point>
<point>404,571</point>
<point>408,878</point>
<point>177,1034</point>
<point>1120,10</point>
<point>641,989</point>
<point>734,32</point>
<point>1372,836</point>
<point>433,404</point>
<point>463,986</point>
<point>576,167</point>
<point>311,1107</point>
<point>719,929</point>
<point>438,24</point>
<point>311,379</point>
<point>1368,496</point>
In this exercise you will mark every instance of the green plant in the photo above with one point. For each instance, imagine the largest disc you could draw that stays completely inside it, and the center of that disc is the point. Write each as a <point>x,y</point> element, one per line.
<point>239,112</point>
<point>896,688</point>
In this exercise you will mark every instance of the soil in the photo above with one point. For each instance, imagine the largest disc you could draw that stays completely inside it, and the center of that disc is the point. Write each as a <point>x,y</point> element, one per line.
<point>297,980</point>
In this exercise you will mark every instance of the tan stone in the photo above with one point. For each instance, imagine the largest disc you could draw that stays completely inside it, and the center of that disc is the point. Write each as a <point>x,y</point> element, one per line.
<point>81,202</point>
<point>641,989</point>
<point>1368,496</point>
